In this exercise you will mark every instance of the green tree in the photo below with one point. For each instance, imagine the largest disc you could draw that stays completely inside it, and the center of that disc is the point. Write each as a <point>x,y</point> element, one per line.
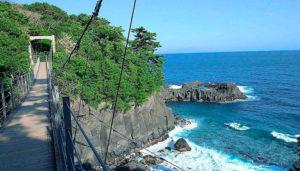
<point>93,71</point>
<point>150,65</point>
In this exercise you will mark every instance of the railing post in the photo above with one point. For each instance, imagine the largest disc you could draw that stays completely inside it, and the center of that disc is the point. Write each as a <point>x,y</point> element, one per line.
<point>12,92</point>
<point>30,79</point>
<point>3,100</point>
<point>22,85</point>
<point>68,133</point>
<point>17,87</point>
<point>26,83</point>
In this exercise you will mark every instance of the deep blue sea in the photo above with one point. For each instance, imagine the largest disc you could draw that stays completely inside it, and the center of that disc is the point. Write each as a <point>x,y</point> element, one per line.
<point>271,115</point>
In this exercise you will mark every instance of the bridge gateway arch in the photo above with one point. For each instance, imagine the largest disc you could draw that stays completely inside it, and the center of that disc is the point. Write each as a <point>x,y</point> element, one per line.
<point>32,38</point>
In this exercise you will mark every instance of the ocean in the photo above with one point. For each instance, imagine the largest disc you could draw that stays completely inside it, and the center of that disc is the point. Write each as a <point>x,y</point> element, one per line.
<point>254,134</point>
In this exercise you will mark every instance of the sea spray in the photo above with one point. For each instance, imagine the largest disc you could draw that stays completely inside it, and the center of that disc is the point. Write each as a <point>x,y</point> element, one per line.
<point>237,126</point>
<point>175,87</point>
<point>199,158</point>
<point>285,137</point>
<point>248,91</point>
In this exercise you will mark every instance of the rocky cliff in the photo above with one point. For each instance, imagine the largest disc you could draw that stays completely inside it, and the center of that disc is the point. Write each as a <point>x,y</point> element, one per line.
<point>142,124</point>
<point>204,92</point>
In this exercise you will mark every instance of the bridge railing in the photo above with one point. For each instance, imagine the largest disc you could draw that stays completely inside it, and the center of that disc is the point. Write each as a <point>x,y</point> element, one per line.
<point>14,89</point>
<point>62,116</point>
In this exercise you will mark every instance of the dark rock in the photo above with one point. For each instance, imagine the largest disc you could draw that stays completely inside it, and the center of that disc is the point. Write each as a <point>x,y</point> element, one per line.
<point>262,159</point>
<point>209,92</point>
<point>139,153</point>
<point>128,168</point>
<point>182,122</point>
<point>87,166</point>
<point>161,151</point>
<point>151,160</point>
<point>168,148</point>
<point>191,85</point>
<point>131,166</point>
<point>181,145</point>
<point>166,136</point>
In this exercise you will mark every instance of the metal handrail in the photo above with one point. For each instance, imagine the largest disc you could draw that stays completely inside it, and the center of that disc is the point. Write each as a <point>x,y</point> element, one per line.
<point>12,96</point>
<point>88,141</point>
<point>76,152</point>
<point>58,120</point>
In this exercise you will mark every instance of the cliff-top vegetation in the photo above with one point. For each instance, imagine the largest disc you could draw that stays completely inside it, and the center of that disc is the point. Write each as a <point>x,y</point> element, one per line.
<point>94,69</point>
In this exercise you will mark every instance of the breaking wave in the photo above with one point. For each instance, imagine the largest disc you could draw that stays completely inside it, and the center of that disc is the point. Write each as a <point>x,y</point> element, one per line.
<point>248,91</point>
<point>237,126</point>
<point>285,137</point>
<point>200,158</point>
<point>175,87</point>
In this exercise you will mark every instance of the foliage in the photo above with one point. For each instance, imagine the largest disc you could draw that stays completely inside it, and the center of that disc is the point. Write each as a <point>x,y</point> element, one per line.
<point>14,41</point>
<point>94,70</point>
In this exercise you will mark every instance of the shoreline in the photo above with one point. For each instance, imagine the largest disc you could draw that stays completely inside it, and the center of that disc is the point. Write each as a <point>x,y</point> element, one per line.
<point>203,156</point>
<point>221,159</point>
<point>131,160</point>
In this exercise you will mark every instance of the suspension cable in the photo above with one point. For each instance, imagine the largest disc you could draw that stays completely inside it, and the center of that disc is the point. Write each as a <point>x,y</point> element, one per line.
<point>98,157</point>
<point>119,81</point>
<point>77,45</point>
<point>95,14</point>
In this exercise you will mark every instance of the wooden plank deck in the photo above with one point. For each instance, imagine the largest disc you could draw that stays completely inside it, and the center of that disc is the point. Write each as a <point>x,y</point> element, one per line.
<point>25,142</point>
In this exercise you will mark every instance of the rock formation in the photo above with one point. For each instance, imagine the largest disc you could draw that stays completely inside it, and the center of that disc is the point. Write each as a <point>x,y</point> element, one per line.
<point>142,125</point>
<point>204,92</point>
<point>181,145</point>
<point>152,160</point>
<point>133,166</point>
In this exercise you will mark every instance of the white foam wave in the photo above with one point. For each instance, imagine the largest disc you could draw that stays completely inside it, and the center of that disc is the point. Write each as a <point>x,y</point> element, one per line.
<point>180,128</point>
<point>198,159</point>
<point>248,91</point>
<point>237,126</point>
<point>175,87</point>
<point>285,137</point>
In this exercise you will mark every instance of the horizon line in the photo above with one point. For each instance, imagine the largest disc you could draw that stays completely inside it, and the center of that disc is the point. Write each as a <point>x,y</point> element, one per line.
<point>226,51</point>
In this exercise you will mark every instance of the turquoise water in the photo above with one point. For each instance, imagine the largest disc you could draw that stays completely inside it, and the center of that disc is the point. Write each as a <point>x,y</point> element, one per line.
<point>272,113</point>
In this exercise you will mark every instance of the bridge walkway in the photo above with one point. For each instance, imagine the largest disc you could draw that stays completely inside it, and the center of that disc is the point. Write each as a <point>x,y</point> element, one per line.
<point>25,141</point>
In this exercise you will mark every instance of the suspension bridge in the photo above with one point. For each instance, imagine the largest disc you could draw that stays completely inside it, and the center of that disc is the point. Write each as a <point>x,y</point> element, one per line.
<point>26,137</point>
<point>37,133</point>
<point>37,124</point>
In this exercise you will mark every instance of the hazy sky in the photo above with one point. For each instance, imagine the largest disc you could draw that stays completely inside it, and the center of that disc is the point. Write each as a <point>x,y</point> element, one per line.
<point>204,25</point>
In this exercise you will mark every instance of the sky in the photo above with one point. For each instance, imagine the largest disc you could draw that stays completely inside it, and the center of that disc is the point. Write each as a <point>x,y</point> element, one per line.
<point>187,26</point>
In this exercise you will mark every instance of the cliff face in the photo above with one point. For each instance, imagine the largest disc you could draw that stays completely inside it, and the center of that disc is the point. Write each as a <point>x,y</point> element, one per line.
<point>142,124</point>
<point>204,92</point>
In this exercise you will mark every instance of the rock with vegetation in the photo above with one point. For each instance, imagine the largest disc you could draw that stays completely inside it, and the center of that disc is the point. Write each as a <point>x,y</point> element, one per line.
<point>205,92</point>
<point>93,71</point>
<point>181,145</point>
<point>136,128</point>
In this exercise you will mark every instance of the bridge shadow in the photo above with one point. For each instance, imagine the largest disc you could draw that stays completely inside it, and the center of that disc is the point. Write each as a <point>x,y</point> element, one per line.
<point>25,140</point>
